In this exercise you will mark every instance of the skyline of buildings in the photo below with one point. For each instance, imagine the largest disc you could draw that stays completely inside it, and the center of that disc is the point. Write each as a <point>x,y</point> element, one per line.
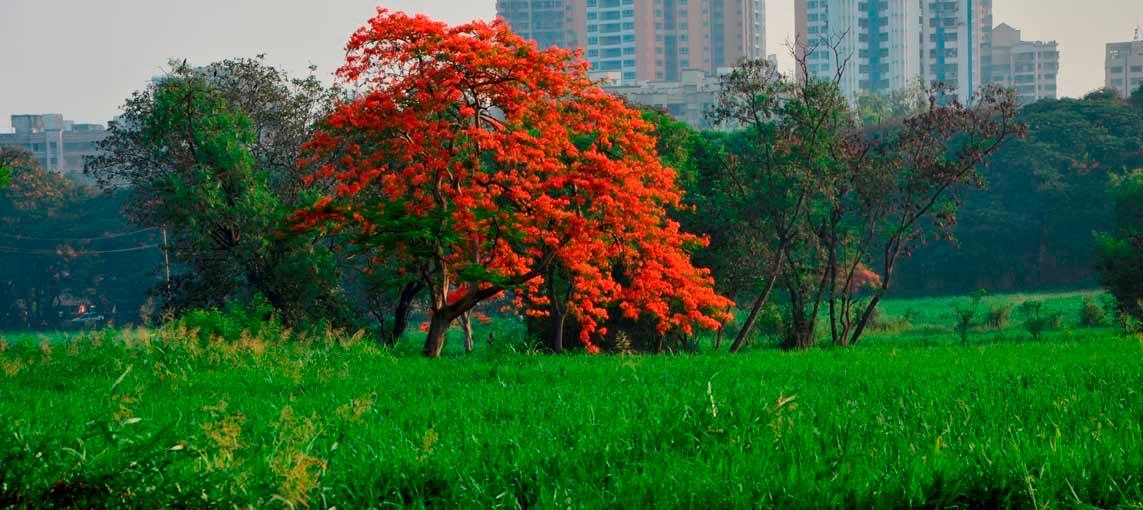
<point>687,100</point>
<point>956,40</point>
<point>646,49</point>
<point>548,22</point>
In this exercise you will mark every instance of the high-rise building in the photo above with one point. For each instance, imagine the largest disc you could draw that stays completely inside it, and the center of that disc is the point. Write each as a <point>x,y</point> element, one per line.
<point>876,41</point>
<point>548,22</point>
<point>1124,67</point>
<point>738,31</point>
<point>645,40</point>
<point>1031,68</point>
<point>657,40</point>
<point>60,145</point>
<point>886,44</point>
<point>956,44</point>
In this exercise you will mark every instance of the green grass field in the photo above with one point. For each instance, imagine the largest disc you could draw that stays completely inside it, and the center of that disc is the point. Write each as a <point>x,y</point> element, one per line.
<point>910,418</point>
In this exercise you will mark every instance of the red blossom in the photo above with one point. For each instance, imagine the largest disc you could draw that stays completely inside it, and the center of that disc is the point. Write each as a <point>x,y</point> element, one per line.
<point>526,162</point>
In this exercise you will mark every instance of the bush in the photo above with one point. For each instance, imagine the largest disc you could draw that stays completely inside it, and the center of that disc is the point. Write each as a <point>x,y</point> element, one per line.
<point>966,314</point>
<point>884,322</point>
<point>998,315</point>
<point>254,316</point>
<point>1127,323</point>
<point>1037,320</point>
<point>1092,315</point>
<point>771,321</point>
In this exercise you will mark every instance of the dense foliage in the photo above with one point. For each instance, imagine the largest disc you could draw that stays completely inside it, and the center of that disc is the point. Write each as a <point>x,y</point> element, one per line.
<point>1031,227</point>
<point>472,174</point>
<point>211,156</point>
<point>1120,263</point>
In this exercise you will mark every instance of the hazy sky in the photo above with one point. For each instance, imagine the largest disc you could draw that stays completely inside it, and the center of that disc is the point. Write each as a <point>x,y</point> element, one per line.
<point>82,58</point>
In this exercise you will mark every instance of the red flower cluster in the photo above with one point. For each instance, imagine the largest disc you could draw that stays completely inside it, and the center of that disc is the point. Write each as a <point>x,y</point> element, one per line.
<point>516,161</point>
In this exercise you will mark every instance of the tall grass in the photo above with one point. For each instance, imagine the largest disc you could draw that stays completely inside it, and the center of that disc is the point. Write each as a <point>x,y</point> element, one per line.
<point>164,418</point>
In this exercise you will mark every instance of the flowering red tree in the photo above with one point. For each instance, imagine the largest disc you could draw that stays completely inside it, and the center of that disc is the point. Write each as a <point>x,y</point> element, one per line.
<point>476,163</point>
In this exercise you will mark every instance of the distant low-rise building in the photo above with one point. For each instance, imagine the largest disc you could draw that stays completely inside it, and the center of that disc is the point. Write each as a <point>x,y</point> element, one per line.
<point>60,145</point>
<point>1031,68</point>
<point>1125,66</point>
<point>688,100</point>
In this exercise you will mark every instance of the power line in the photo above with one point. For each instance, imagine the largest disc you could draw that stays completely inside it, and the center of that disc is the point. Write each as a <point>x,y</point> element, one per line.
<point>8,250</point>
<point>78,239</point>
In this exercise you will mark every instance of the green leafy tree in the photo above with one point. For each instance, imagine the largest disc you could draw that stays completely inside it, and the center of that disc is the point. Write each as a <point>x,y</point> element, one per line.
<point>10,159</point>
<point>832,207</point>
<point>768,183</point>
<point>1120,252</point>
<point>1137,98</point>
<point>1037,319</point>
<point>211,155</point>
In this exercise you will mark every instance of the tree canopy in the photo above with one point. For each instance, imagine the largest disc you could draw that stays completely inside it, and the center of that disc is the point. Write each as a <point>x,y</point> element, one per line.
<point>1120,252</point>
<point>480,163</point>
<point>211,156</point>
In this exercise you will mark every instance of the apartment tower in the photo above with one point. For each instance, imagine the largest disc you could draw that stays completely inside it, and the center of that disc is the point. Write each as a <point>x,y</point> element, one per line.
<point>548,22</point>
<point>876,41</point>
<point>645,40</point>
<point>956,44</point>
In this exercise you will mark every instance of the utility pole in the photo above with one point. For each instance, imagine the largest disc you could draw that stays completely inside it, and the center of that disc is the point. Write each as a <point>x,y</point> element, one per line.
<point>167,262</point>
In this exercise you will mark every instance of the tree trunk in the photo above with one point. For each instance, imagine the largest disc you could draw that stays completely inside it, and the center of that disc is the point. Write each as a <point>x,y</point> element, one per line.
<point>438,327</point>
<point>863,322</point>
<point>859,329</point>
<point>744,333</point>
<point>404,307</point>
<point>556,340</point>
<point>557,315</point>
<point>466,323</point>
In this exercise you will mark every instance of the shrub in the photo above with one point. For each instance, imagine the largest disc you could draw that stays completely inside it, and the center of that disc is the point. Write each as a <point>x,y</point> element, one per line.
<point>1037,320</point>
<point>254,316</point>
<point>1091,314</point>
<point>966,314</point>
<point>883,322</point>
<point>1126,322</point>
<point>998,315</point>
<point>771,324</point>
